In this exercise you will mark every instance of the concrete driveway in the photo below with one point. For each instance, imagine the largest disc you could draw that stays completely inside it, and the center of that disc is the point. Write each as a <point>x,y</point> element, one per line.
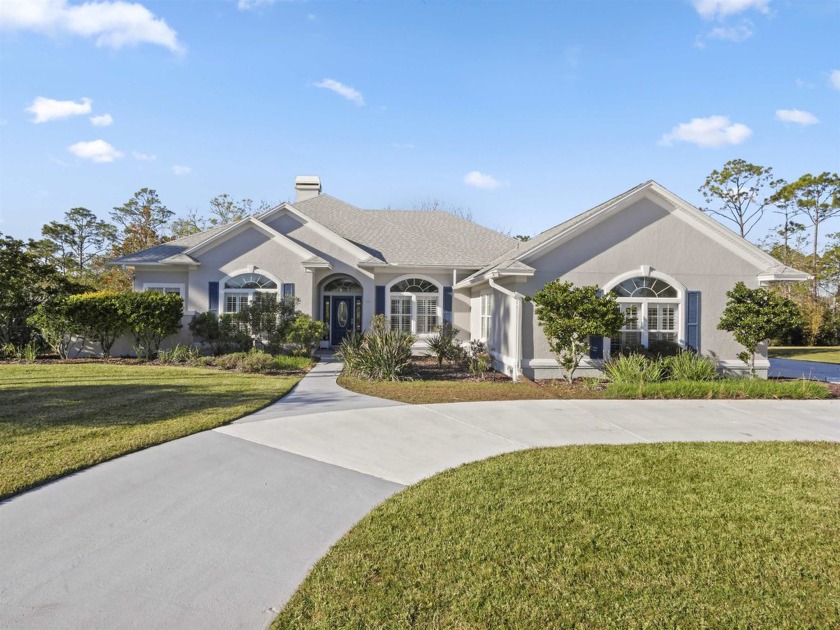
<point>216,530</point>
<point>790,368</point>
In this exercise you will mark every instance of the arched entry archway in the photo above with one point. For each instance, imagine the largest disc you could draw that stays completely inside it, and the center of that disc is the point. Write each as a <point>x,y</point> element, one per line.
<point>341,307</point>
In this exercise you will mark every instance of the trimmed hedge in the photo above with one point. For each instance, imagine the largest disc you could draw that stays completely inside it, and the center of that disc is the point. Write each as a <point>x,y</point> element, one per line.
<point>104,316</point>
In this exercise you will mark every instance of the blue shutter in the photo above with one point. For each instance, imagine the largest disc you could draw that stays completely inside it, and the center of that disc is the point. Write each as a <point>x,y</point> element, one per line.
<point>596,347</point>
<point>596,343</point>
<point>213,292</point>
<point>288,289</point>
<point>380,300</point>
<point>692,320</point>
<point>447,304</point>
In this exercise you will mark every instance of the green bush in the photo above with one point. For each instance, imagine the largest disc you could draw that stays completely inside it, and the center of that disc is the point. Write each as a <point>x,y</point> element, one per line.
<point>102,316</point>
<point>151,318</point>
<point>690,366</point>
<point>221,333</point>
<point>56,325</point>
<point>662,348</point>
<point>444,345</point>
<point>378,355</point>
<point>268,319</point>
<point>305,335</point>
<point>479,360</point>
<point>257,362</point>
<point>231,361</point>
<point>634,369</point>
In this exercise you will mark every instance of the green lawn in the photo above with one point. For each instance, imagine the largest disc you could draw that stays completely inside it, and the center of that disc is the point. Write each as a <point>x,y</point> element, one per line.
<point>56,419</point>
<point>823,354</point>
<point>425,392</point>
<point>664,535</point>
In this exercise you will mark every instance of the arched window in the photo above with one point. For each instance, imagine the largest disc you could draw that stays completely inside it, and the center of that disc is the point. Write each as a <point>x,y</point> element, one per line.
<point>414,306</point>
<point>343,284</point>
<point>239,290</point>
<point>652,308</point>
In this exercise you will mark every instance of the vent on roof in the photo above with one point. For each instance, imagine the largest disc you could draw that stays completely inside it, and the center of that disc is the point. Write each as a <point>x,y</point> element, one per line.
<point>307,187</point>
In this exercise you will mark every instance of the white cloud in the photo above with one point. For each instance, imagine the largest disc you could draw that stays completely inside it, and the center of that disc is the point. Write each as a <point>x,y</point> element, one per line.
<point>478,179</point>
<point>713,131</point>
<point>710,9</point>
<point>113,23</point>
<point>105,120</point>
<point>834,79</point>
<point>402,145</point>
<point>740,33</point>
<point>95,151</point>
<point>181,170</point>
<point>143,157</point>
<point>796,116</point>
<point>343,90</point>
<point>46,109</point>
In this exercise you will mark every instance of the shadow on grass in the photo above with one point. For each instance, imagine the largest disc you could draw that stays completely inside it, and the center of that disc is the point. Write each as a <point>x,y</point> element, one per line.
<point>117,404</point>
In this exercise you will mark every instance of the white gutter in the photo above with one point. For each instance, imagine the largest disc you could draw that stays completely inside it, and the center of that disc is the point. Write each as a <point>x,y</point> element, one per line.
<point>517,316</point>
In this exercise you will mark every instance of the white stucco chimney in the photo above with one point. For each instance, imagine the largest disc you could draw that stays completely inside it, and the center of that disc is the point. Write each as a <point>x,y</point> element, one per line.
<point>307,187</point>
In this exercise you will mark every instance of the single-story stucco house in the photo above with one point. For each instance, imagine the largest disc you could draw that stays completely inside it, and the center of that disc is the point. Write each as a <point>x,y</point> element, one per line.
<point>669,264</point>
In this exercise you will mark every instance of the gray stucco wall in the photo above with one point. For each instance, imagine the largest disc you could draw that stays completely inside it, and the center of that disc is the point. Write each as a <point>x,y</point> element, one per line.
<point>642,234</point>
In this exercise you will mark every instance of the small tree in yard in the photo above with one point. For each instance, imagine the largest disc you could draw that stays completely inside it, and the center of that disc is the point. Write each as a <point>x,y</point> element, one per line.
<point>755,315</point>
<point>569,315</point>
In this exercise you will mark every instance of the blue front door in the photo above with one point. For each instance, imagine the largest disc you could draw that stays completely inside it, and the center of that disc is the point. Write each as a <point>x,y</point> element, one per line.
<point>341,320</point>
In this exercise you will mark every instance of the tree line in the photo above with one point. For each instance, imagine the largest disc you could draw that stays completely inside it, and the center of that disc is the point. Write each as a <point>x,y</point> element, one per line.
<point>741,193</point>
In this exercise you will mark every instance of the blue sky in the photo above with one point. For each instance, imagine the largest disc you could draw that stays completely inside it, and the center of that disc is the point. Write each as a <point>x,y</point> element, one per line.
<point>526,113</point>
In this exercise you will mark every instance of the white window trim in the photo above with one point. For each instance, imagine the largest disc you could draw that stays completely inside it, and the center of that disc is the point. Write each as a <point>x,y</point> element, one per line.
<point>148,286</point>
<point>485,320</point>
<point>414,296</point>
<point>678,301</point>
<point>222,291</point>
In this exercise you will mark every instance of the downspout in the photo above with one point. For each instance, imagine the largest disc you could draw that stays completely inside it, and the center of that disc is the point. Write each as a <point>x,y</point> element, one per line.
<point>517,336</point>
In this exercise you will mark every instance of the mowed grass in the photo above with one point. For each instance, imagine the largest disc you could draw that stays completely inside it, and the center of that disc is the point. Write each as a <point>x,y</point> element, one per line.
<point>663,535</point>
<point>428,392</point>
<point>725,388</point>
<point>421,392</point>
<point>56,419</point>
<point>823,354</point>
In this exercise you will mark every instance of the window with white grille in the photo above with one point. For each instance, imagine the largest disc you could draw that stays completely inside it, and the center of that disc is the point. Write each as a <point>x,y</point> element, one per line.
<point>414,306</point>
<point>401,314</point>
<point>486,314</point>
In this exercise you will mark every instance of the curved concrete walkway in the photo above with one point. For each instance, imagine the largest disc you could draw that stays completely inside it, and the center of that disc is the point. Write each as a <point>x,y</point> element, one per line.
<point>216,530</point>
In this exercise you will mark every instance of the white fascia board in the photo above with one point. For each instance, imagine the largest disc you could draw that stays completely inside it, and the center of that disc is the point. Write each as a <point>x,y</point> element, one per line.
<point>800,276</point>
<point>320,229</point>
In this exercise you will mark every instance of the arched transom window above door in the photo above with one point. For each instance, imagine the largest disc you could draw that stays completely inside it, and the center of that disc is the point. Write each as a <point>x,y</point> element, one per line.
<point>238,291</point>
<point>414,305</point>
<point>343,284</point>
<point>653,311</point>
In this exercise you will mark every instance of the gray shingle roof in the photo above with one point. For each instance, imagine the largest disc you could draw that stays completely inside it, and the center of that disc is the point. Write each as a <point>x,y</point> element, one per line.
<point>167,250</point>
<point>509,259</point>
<point>409,237</point>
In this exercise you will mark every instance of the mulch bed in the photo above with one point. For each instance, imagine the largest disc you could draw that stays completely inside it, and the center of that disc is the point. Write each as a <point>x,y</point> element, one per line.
<point>427,369</point>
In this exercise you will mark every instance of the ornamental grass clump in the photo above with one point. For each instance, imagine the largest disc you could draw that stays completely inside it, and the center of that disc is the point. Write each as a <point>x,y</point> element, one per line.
<point>179,354</point>
<point>634,369</point>
<point>378,355</point>
<point>690,366</point>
